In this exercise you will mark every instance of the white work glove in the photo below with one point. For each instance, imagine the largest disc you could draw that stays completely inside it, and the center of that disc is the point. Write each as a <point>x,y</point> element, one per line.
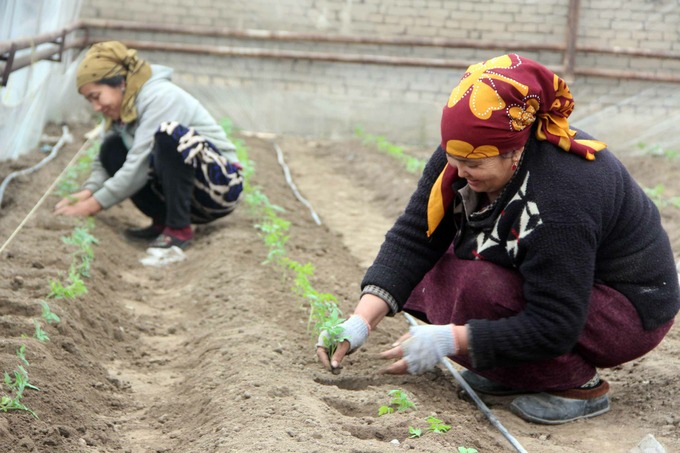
<point>427,346</point>
<point>354,330</point>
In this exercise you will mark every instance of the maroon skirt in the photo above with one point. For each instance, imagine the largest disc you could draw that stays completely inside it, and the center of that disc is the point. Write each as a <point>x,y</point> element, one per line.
<point>456,291</point>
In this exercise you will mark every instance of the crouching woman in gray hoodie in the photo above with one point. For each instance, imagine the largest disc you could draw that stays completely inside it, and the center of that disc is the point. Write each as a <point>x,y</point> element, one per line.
<point>163,150</point>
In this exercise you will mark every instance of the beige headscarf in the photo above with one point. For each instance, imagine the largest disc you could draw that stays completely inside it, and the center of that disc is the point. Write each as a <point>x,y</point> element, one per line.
<point>110,59</point>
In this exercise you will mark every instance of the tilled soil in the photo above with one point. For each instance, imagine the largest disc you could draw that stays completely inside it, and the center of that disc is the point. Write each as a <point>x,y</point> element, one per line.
<point>212,354</point>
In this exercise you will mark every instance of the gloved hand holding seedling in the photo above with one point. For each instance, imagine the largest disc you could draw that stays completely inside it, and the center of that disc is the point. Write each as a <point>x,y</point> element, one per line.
<point>337,340</point>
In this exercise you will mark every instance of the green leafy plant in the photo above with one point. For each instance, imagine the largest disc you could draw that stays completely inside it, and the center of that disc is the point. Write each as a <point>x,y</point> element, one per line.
<point>659,151</point>
<point>21,353</point>
<point>16,385</point>
<point>83,239</point>
<point>334,333</point>
<point>436,425</point>
<point>657,196</point>
<point>382,410</point>
<point>39,333</point>
<point>74,289</point>
<point>69,182</point>
<point>275,237</point>
<point>400,401</point>
<point>414,433</point>
<point>413,164</point>
<point>48,315</point>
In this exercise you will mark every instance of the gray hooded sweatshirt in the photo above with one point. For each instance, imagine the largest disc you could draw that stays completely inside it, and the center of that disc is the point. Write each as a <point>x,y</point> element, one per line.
<point>159,100</point>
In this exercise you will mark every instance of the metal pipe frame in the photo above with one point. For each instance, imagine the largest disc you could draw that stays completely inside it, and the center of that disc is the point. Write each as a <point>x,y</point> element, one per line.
<point>569,49</point>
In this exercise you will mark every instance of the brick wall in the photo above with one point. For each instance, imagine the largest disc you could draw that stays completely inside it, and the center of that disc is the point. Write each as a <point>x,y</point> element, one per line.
<point>404,103</point>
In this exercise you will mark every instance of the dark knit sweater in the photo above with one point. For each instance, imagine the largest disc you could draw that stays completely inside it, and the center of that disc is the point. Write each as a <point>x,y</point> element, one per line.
<point>564,223</point>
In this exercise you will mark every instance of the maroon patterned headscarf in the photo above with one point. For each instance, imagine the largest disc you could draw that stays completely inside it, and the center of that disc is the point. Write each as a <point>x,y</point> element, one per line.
<point>492,111</point>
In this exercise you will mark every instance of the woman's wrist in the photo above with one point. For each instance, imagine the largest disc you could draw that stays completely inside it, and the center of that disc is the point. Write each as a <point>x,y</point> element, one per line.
<point>371,309</point>
<point>460,336</point>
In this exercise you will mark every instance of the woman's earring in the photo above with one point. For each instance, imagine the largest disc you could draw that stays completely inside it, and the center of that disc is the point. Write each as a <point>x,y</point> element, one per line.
<point>514,166</point>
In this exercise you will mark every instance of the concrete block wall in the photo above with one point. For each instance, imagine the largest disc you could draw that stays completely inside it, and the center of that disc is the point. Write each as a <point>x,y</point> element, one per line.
<point>404,103</point>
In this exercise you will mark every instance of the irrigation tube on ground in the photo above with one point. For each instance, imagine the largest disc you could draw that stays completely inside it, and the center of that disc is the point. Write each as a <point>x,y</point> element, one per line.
<point>480,404</point>
<point>289,180</point>
<point>65,137</point>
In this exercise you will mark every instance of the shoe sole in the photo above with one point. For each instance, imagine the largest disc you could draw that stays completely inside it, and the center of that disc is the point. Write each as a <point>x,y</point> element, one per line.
<point>541,421</point>
<point>515,409</point>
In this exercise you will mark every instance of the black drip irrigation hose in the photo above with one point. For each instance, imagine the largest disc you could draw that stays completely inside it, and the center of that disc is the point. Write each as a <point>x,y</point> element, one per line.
<point>293,187</point>
<point>65,137</point>
<point>480,404</point>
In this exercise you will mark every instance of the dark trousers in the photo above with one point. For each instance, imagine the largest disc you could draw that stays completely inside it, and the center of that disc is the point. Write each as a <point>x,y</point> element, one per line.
<point>166,197</point>
<point>456,291</point>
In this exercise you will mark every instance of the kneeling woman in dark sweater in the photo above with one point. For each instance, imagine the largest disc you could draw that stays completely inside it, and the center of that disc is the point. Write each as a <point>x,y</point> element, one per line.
<point>527,247</point>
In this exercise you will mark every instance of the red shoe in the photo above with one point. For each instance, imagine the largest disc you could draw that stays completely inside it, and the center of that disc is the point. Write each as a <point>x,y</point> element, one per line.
<point>165,241</point>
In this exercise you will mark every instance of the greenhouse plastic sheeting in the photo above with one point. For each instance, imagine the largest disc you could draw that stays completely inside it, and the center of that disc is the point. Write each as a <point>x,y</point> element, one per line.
<point>44,91</point>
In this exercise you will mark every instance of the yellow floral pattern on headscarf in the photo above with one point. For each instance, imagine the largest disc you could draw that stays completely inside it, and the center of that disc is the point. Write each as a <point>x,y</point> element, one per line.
<point>112,58</point>
<point>509,97</point>
<point>522,117</point>
<point>484,99</point>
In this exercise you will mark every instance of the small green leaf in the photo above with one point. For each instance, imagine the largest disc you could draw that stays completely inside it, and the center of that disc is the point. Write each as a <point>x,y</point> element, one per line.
<point>385,410</point>
<point>414,432</point>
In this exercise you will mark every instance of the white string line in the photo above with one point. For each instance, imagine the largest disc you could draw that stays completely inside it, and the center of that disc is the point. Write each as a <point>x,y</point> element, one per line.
<point>289,180</point>
<point>42,199</point>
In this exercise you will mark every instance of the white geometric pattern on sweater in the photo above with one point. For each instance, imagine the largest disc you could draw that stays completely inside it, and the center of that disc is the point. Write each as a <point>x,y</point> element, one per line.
<point>530,218</point>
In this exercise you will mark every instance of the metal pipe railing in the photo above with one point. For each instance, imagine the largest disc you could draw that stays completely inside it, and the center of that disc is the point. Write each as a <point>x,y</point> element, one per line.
<point>569,49</point>
<point>274,35</point>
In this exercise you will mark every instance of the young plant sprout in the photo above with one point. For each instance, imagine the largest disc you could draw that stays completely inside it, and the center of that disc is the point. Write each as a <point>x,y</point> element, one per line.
<point>40,334</point>
<point>400,401</point>
<point>414,433</point>
<point>436,425</point>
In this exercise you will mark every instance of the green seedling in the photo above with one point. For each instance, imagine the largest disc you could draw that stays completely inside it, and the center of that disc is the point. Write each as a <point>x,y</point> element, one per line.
<point>466,450</point>
<point>436,425</point>
<point>21,353</point>
<point>400,402</point>
<point>82,267</point>
<point>382,410</point>
<point>48,315</point>
<point>39,333</point>
<point>414,433</point>
<point>334,333</point>
<point>83,239</point>
<point>75,289</point>
<point>659,151</point>
<point>660,200</point>
<point>413,164</point>
<point>69,181</point>
<point>275,237</point>
<point>16,387</point>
